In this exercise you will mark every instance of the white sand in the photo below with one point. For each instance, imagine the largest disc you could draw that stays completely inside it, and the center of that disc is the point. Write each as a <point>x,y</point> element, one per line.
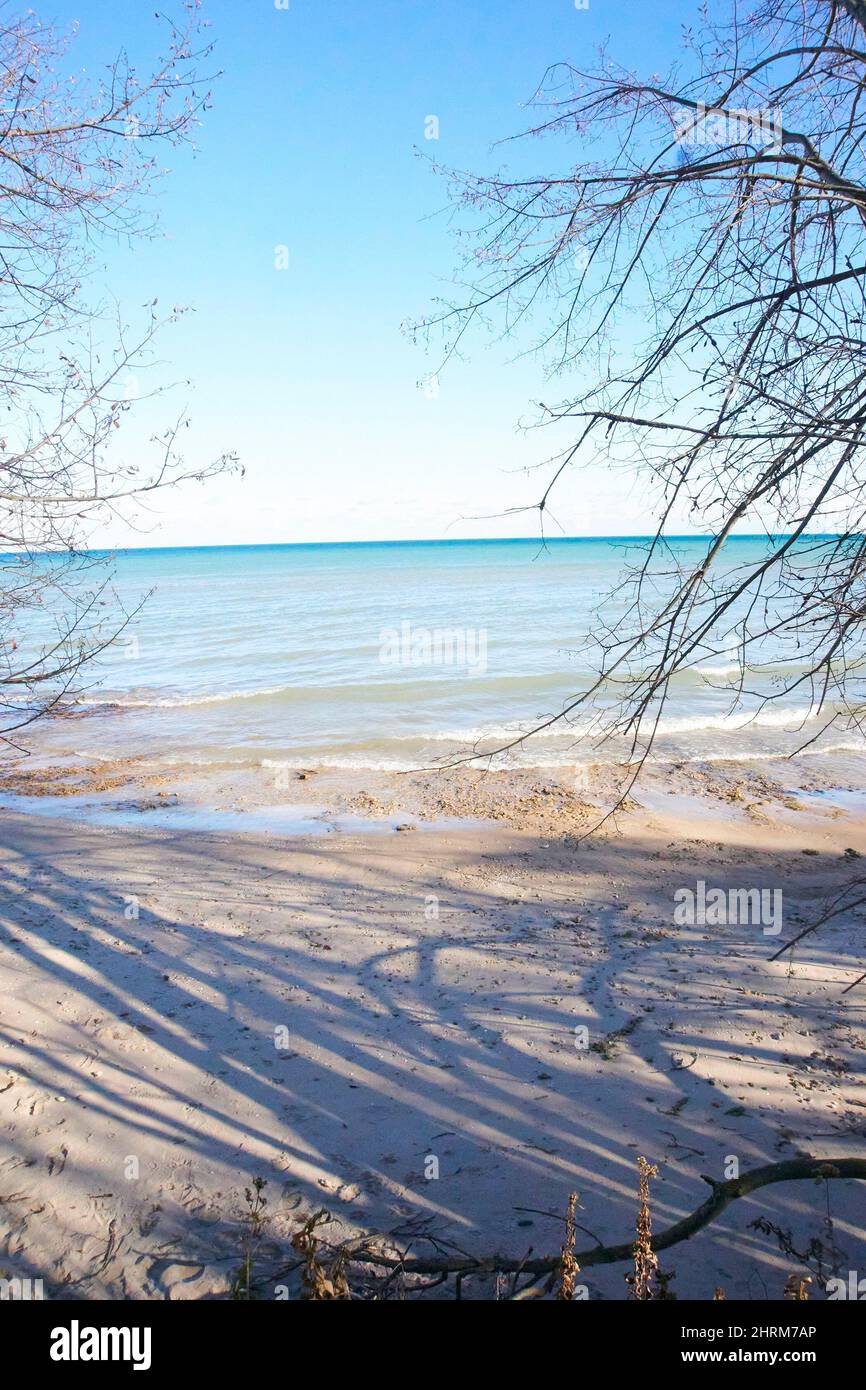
<point>416,1028</point>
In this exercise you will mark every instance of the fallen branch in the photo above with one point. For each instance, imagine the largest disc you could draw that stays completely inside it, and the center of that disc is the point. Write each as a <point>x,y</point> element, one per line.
<point>723,1193</point>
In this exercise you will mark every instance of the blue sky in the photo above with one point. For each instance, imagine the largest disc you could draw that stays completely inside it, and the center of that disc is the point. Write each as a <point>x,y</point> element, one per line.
<point>312,144</point>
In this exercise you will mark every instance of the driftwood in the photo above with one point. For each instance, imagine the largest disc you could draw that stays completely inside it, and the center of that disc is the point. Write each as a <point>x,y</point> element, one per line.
<point>723,1193</point>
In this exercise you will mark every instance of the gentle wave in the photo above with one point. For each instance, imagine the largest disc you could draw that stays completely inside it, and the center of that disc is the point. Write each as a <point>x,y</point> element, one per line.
<point>181,701</point>
<point>675,724</point>
<point>563,729</point>
<point>732,670</point>
<point>403,691</point>
<point>366,760</point>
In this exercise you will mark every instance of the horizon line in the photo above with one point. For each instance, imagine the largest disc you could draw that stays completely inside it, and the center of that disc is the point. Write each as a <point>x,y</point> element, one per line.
<point>408,540</point>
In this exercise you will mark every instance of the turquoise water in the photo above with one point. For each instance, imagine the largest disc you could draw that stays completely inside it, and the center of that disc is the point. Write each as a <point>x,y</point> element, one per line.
<point>384,656</point>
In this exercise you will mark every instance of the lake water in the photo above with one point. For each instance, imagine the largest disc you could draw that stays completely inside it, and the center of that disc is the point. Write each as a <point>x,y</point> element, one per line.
<point>389,656</point>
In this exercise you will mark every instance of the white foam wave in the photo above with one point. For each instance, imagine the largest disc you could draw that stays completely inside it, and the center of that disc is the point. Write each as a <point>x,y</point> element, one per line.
<point>674,724</point>
<point>732,670</point>
<point>186,701</point>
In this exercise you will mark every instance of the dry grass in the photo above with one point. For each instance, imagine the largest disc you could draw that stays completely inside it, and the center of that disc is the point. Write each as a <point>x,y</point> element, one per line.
<point>569,1268</point>
<point>642,1281</point>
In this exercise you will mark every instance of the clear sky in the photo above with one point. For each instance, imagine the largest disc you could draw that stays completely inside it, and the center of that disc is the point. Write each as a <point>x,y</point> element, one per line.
<point>313,144</point>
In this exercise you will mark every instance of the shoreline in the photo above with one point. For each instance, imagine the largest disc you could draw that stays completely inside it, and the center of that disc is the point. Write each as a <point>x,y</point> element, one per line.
<point>428,988</point>
<point>284,800</point>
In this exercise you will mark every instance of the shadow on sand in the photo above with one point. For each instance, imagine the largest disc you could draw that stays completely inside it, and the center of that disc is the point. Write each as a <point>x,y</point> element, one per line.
<point>387,1029</point>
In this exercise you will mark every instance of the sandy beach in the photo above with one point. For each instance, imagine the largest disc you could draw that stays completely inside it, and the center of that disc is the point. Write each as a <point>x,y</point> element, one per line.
<point>187,1010</point>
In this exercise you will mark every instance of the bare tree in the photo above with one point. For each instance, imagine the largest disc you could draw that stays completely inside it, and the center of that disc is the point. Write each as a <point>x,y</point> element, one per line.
<point>700,271</point>
<point>77,164</point>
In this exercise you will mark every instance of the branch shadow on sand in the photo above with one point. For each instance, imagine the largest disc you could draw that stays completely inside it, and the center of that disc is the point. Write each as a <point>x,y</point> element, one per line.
<point>388,1031</point>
